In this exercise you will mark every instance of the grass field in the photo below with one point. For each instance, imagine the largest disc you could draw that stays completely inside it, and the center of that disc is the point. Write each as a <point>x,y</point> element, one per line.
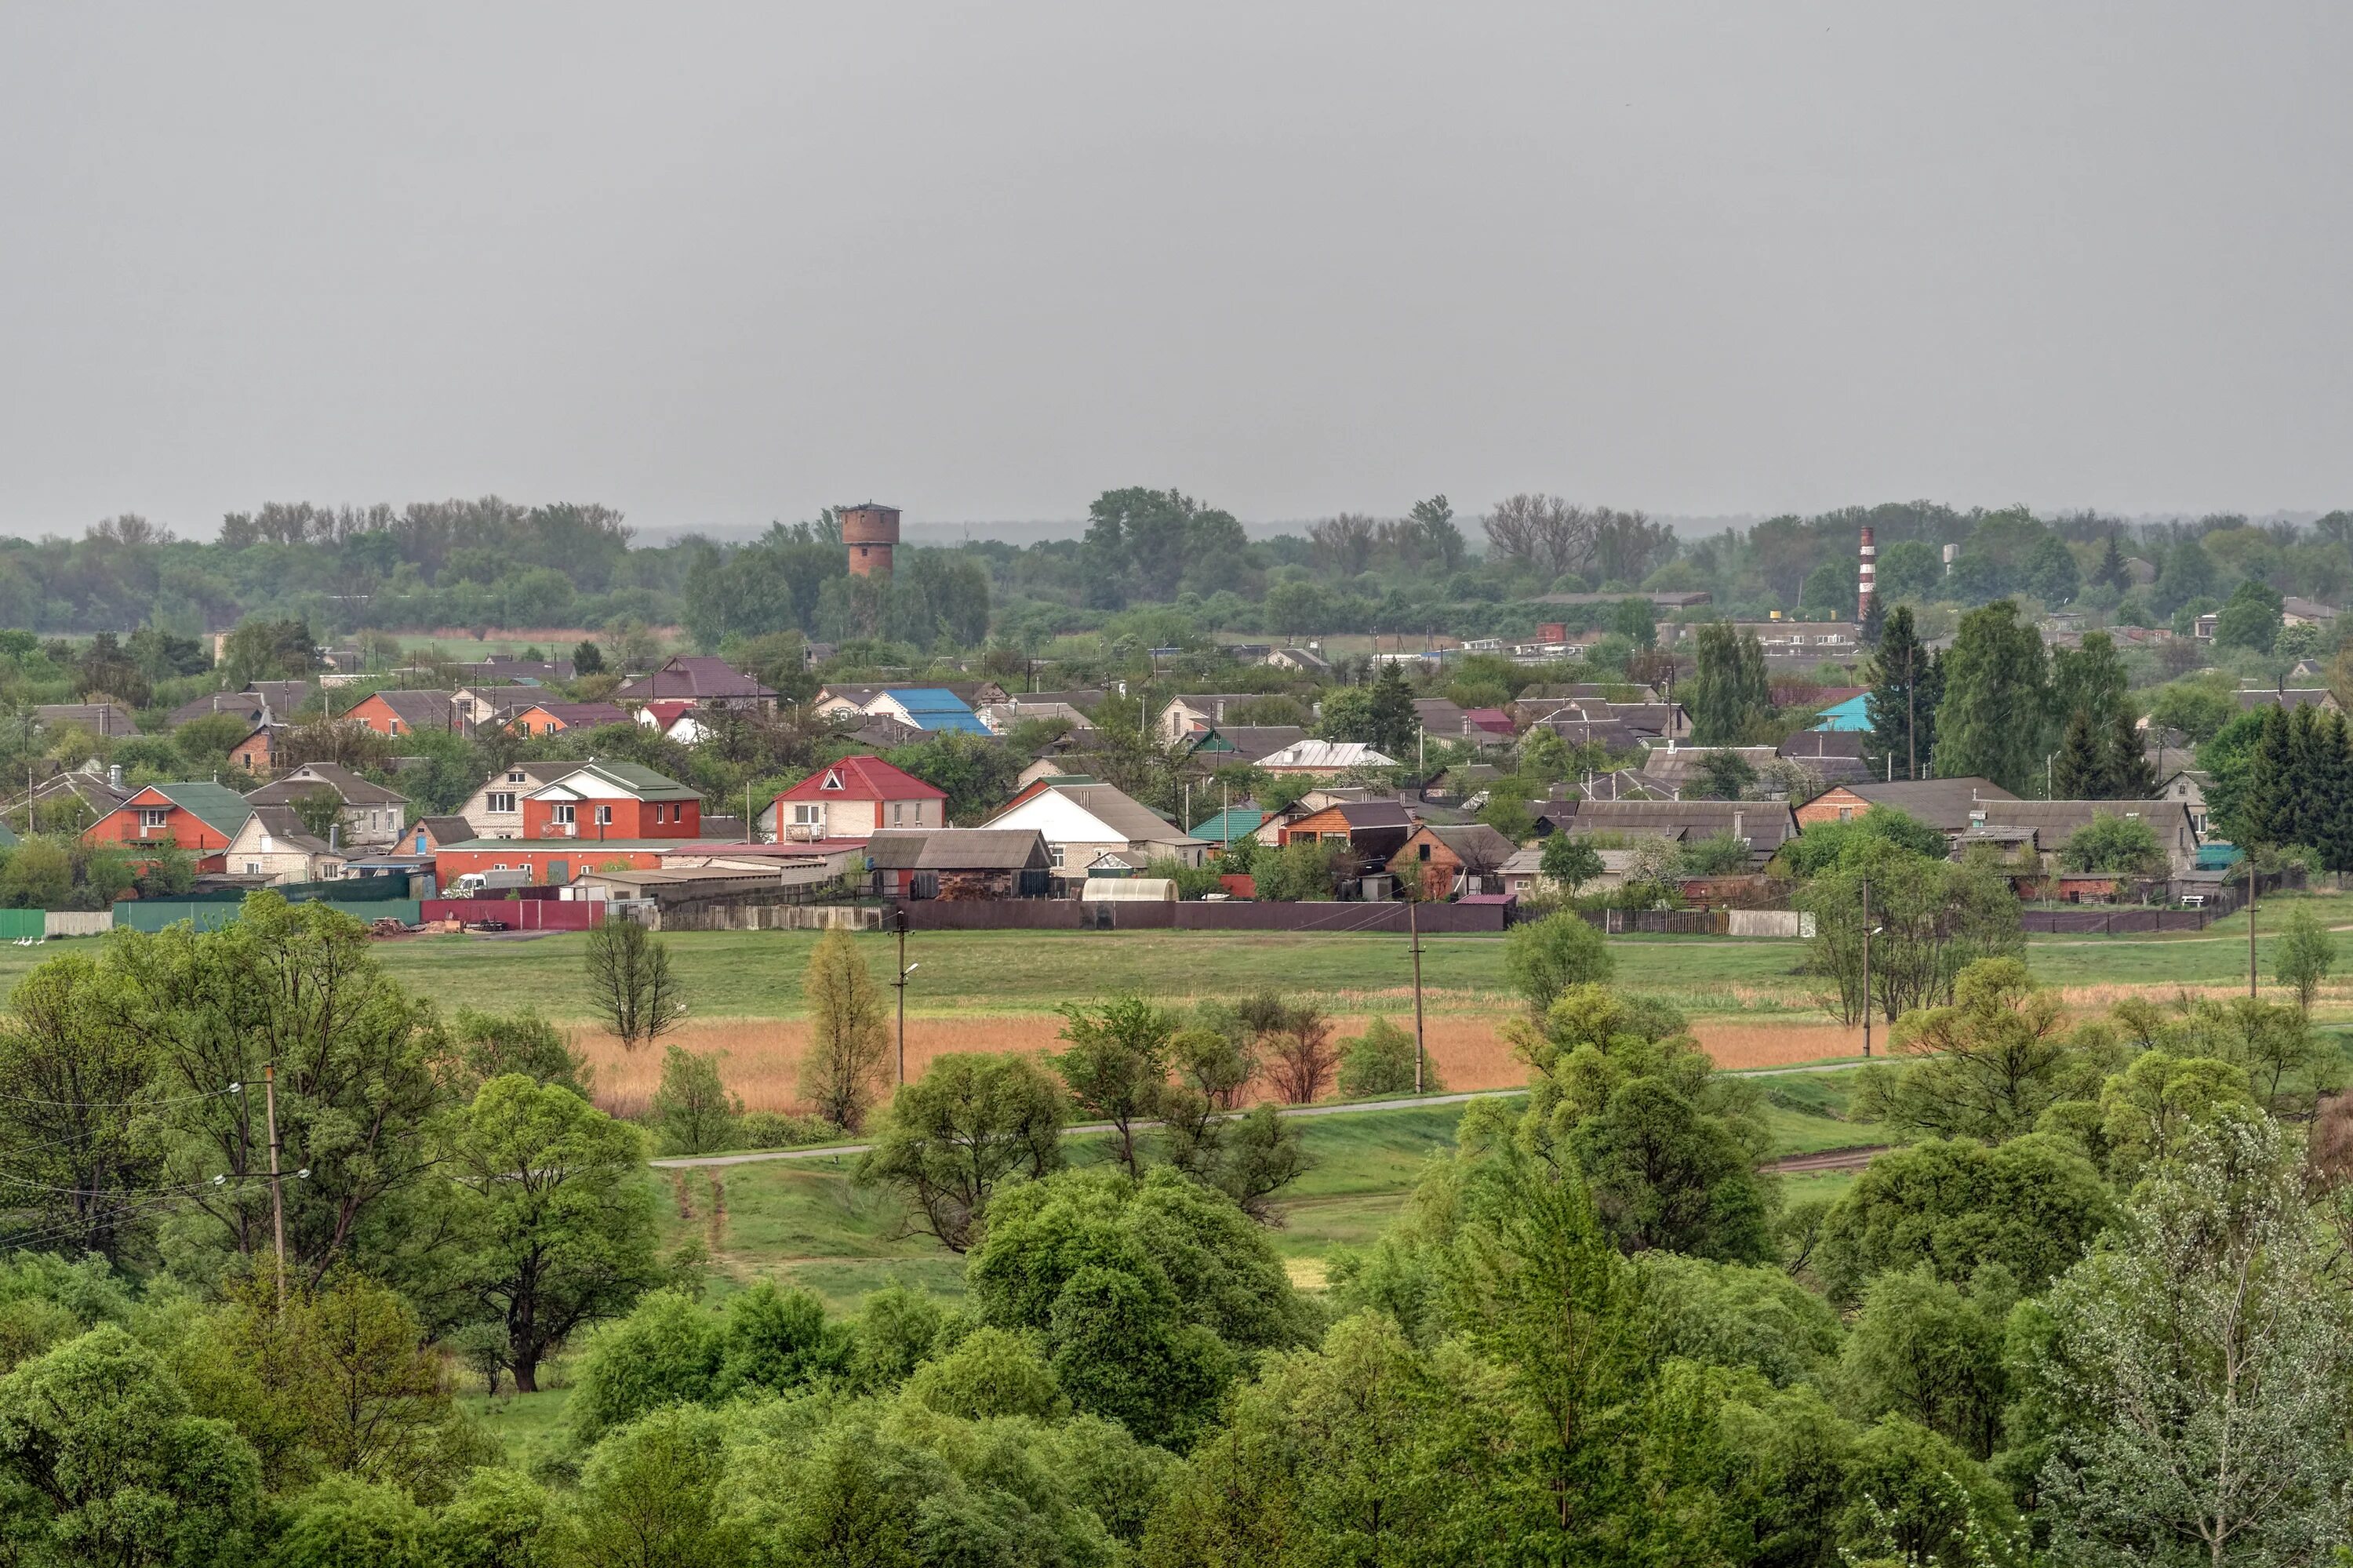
<point>1749,1004</point>
<point>809,1222</point>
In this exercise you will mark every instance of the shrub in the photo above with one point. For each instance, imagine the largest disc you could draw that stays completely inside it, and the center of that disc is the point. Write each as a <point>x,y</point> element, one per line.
<point>1545,958</point>
<point>693,1112</point>
<point>1380,1061</point>
<point>775,1130</point>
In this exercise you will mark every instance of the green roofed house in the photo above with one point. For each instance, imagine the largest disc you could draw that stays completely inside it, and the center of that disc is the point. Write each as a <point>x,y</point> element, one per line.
<point>1230,825</point>
<point>198,818</point>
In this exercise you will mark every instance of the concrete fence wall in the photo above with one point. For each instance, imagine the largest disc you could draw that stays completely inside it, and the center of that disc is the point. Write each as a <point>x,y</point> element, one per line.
<point>77,922</point>
<point>1771,923</point>
<point>520,913</point>
<point>713,916</point>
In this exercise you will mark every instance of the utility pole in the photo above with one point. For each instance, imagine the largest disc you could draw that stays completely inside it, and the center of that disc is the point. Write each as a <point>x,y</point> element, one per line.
<point>2251,926</point>
<point>1866,966</point>
<point>901,923</point>
<point>1413,927</point>
<point>277,1189</point>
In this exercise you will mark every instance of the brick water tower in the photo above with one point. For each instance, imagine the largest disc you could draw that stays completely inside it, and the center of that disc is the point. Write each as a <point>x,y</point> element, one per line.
<point>870,530</point>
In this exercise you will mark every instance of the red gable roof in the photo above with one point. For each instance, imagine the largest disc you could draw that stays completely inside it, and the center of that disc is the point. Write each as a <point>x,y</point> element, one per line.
<point>667,710</point>
<point>861,778</point>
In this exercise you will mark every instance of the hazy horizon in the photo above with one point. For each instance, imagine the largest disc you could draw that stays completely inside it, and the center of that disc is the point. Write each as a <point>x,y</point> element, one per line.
<point>715,266</point>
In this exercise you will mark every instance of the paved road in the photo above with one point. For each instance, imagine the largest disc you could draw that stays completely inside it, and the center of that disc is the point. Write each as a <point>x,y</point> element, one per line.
<point>690,1161</point>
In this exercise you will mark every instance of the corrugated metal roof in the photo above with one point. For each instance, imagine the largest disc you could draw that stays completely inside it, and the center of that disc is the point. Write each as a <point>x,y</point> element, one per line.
<point>1333,754</point>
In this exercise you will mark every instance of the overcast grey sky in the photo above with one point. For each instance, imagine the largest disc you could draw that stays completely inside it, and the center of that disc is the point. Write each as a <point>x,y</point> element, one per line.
<point>716,265</point>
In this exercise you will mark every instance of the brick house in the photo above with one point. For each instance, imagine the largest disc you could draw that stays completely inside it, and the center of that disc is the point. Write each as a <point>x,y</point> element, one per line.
<point>371,816</point>
<point>550,717</point>
<point>274,843</point>
<point>853,799</point>
<point>712,682</point>
<point>1951,806</point>
<point>606,816</point>
<point>397,713</point>
<point>199,818</point>
<point>495,811</point>
<point>1453,860</point>
<point>258,752</point>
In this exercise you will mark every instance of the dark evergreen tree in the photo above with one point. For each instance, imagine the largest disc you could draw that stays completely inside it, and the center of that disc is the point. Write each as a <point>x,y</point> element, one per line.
<point>2304,811</point>
<point>1874,623</point>
<point>2080,771</point>
<point>2111,571</point>
<point>1391,724</point>
<point>2130,778</point>
<point>1900,707</point>
<point>2266,814</point>
<point>2332,833</point>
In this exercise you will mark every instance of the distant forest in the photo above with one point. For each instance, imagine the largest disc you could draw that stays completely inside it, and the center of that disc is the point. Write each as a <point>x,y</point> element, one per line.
<point>1186,564</point>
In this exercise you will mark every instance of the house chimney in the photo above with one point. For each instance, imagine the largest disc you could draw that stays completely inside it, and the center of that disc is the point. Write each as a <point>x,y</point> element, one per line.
<point>1870,568</point>
<point>114,777</point>
<point>335,835</point>
<point>1739,822</point>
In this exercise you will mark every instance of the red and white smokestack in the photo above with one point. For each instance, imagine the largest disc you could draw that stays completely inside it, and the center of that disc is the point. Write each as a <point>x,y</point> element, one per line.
<point>1870,571</point>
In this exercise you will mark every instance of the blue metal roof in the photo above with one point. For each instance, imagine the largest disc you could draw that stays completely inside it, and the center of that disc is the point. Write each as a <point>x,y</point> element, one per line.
<point>936,709</point>
<point>1849,715</point>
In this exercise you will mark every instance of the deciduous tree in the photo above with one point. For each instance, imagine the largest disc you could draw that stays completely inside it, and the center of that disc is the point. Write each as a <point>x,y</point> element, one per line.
<point>970,1123</point>
<point>555,1231</point>
<point>849,1052</point>
<point>630,981</point>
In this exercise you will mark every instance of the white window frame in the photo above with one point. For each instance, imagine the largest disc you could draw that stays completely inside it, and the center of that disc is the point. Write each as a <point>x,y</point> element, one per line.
<point>1054,852</point>
<point>604,816</point>
<point>565,812</point>
<point>153,817</point>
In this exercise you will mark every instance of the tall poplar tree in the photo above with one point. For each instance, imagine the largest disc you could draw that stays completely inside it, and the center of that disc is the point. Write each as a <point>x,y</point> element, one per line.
<point>1729,690</point>
<point>1991,723</point>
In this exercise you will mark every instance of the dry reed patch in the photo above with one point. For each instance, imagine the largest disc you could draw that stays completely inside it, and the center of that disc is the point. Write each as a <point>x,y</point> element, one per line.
<point>1734,1043</point>
<point>761,1057</point>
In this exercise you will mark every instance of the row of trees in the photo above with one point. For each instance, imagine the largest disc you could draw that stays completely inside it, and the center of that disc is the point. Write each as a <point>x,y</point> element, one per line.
<point>2092,1310</point>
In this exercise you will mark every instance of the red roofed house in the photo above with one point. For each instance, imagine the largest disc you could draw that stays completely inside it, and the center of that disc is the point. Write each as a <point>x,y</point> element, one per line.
<point>674,718</point>
<point>200,818</point>
<point>854,798</point>
<point>599,816</point>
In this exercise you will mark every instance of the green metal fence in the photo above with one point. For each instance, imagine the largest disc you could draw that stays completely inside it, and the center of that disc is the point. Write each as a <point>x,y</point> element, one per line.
<point>16,925</point>
<point>339,890</point>
<point>208,915</point>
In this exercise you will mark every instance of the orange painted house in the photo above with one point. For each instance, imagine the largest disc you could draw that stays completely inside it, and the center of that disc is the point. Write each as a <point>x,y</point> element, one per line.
<point>199,818</point>
<point>404,712</point>
<point>1375,830</point>
<point>554,717</point>
<point>600,816</point>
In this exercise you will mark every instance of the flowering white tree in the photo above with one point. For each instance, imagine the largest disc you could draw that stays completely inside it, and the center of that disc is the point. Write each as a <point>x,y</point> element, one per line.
<point>2199,1362</point>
